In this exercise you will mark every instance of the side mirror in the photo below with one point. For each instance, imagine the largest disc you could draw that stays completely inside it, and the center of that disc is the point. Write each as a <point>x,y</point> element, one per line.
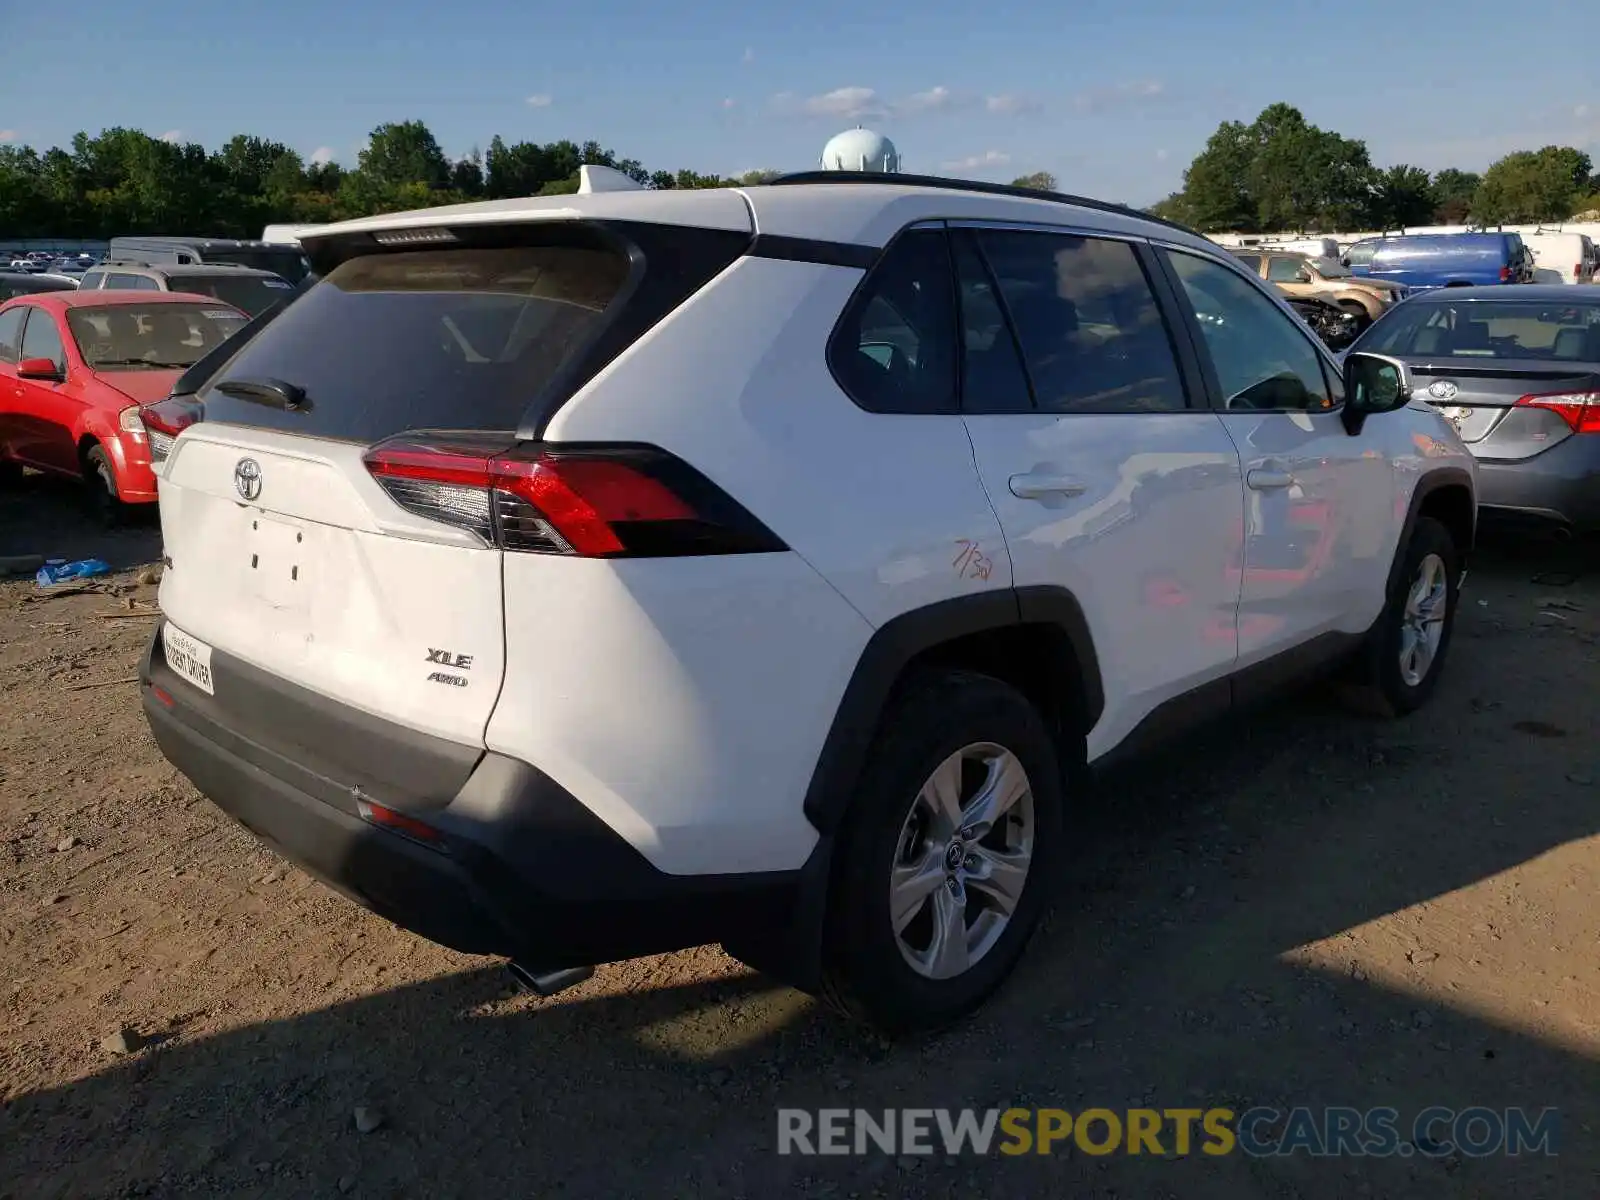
<point>40,368</point>
<point>1302,276</point>
<point>1373,383</point>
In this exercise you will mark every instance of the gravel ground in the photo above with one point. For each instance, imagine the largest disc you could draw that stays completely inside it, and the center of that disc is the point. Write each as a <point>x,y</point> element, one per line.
<point>1303,908</point>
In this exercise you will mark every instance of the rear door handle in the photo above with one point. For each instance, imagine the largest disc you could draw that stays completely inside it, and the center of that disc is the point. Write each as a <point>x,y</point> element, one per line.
<point>1035,484</point>
<point>1263,480</point>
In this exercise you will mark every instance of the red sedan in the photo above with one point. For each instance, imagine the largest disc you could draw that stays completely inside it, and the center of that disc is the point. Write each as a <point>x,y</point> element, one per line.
<point>75,369</point>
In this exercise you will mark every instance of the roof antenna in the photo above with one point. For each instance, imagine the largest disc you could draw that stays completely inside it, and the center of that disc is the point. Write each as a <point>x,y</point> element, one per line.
<point>594,178</point>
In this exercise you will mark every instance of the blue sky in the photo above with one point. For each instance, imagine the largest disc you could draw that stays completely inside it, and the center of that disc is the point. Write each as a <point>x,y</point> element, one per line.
<point>1113,96</point>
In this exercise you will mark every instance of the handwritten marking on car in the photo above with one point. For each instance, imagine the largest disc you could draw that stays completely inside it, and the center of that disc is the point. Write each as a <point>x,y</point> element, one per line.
<point>970,562</point>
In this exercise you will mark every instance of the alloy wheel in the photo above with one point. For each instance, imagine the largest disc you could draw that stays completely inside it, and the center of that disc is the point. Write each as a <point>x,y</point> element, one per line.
<point>962,860</point>
<point>1422,622</point>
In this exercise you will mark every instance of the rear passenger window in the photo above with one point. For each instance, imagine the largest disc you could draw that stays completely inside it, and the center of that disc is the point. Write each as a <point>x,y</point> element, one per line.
<point>1092,335</point>
<point>992,377</point>
<point>119,280</point>
<point>894,350</point>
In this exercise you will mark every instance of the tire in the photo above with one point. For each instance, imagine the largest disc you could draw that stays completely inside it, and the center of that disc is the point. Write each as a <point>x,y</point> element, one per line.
<point>867,968</point>
<point>1387,686</point>
<point>101,479</point>
<point>1356,310</point>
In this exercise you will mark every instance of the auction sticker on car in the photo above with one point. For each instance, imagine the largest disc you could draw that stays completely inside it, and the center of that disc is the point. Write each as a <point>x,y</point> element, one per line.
<point>188,657</point>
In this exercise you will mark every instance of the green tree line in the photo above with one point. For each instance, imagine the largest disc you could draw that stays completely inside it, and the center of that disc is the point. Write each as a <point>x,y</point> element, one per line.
<point>1280,172</point>
<point>123,181</point>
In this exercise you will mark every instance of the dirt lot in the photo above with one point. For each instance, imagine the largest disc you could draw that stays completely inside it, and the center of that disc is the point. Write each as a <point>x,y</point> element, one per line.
<point>1310,908</point>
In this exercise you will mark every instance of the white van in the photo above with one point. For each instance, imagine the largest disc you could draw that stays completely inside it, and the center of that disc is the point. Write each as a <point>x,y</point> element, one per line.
<point>1561,257</point>
<point>1313,247</point>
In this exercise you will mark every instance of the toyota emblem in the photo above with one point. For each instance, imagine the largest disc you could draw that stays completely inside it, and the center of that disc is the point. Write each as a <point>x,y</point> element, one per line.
<point>247,478</point>
<point>1443,390</point>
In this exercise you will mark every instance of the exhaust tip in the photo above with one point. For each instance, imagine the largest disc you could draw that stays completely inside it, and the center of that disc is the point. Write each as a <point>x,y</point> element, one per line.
<point>547,983</point>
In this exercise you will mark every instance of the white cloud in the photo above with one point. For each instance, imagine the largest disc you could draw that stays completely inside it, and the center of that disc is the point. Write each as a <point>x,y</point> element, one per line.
<point>729,102</point>
<point>1008,104</point>
<point>1161,156</point>
<point>846,104</point>
<point>749,54</point>
<point>979,162</point>
<point>1120,95</point>
<point>322,154</point>
<point>1581,111</point>
<point>862,103</point>
<point>8,135</point>
<point>172,135</point>
<point>936,99</point>
<point>540,100</point>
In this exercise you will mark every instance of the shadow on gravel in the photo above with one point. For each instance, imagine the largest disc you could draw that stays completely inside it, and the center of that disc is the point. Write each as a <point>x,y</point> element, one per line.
<point>50,517</point>
<point>1160,980</point>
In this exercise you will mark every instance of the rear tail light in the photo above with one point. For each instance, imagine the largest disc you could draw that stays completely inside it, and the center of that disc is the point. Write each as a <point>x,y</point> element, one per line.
<point>165,420</point>
<point>1577,271</point>
<point>589,501</point>
<point>1580,410</point>
<point>1505,274</point>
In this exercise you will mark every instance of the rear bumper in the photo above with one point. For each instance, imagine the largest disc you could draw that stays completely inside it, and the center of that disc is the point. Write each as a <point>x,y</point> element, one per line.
<point>1561,486</point>
<point>525,869</point>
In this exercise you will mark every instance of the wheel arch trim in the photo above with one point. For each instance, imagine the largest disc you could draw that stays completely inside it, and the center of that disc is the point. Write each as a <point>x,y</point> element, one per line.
<point>899,642</point>
<point>1434,481</point>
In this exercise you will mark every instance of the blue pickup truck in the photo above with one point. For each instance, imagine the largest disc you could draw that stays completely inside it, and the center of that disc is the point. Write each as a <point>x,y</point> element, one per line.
<point>1433,260</point>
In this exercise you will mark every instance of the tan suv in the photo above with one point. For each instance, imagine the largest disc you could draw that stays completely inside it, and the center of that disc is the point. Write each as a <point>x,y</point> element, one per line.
<point>1325,278</point>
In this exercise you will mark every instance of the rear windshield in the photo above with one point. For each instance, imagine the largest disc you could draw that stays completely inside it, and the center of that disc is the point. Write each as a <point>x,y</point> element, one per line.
<point>162,337</point>
<point>432,339</point>
<point>252,293</point>
<point>1490,329</point>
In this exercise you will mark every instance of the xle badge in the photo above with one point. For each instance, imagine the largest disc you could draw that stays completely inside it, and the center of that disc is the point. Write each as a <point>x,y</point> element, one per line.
<point>445,658</point>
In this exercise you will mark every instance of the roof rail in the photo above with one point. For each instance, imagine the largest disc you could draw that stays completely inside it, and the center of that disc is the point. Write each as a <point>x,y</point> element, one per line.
<point>970,185</point>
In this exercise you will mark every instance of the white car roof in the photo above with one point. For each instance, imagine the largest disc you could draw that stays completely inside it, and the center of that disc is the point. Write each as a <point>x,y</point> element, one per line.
<point>862,213</point>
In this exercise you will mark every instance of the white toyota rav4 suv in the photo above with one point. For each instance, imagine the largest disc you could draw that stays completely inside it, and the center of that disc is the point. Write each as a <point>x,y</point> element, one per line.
<point>586,577</point>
